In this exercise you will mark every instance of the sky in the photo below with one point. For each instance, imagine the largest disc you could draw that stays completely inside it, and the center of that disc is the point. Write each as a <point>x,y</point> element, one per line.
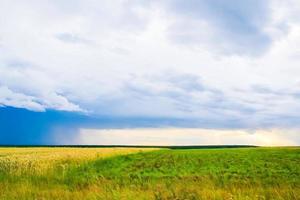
<point>71,70</point>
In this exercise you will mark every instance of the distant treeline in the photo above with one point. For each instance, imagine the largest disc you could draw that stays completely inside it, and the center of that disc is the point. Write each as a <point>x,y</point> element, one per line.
<point>138,146</point>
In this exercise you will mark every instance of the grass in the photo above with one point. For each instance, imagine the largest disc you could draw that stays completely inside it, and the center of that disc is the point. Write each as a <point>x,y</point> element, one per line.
<point>121,173</point>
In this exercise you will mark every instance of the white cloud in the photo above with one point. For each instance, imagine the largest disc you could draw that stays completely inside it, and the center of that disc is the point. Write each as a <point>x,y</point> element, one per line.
<point>51,101</point>
<point>10,98</point>
<point>119,58</point>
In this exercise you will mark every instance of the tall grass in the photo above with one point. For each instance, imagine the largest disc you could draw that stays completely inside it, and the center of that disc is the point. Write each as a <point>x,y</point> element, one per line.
<point>74,173</point>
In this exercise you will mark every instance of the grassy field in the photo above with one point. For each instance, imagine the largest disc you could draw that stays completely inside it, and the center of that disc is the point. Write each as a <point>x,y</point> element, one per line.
<point>133,173</point>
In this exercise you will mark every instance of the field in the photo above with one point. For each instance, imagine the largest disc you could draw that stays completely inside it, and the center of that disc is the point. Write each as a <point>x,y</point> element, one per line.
<point>136,173</point>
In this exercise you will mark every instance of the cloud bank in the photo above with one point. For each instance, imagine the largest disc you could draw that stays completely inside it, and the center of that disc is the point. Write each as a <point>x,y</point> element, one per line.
<point>189,136</point>
<point>220,64</point>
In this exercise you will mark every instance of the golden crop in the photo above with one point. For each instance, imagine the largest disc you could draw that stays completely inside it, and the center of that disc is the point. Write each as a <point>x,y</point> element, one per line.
<point>40,160</point>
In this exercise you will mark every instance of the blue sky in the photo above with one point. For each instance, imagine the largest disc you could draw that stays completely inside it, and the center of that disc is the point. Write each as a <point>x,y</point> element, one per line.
<point>219,65</point>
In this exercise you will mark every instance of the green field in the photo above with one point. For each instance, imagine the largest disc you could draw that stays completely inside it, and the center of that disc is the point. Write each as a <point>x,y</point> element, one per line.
<point>135,173</point>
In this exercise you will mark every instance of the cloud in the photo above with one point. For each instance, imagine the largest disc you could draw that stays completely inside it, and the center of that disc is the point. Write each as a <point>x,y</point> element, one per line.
<point>222,64</point>
<point>70,38</point>
<point>51,101</point>
<point>174,136</point>
<point>10,98</point>
<point>225,27</point>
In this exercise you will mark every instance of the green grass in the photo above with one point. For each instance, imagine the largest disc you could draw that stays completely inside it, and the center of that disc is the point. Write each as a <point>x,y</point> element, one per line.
<point>238,173</point>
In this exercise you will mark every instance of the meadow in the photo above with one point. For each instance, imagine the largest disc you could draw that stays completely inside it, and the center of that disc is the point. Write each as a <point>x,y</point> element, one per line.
<point>149,173</point>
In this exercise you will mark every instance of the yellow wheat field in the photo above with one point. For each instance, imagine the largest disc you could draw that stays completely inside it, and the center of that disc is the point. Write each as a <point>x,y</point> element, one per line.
<point>40,160</point>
